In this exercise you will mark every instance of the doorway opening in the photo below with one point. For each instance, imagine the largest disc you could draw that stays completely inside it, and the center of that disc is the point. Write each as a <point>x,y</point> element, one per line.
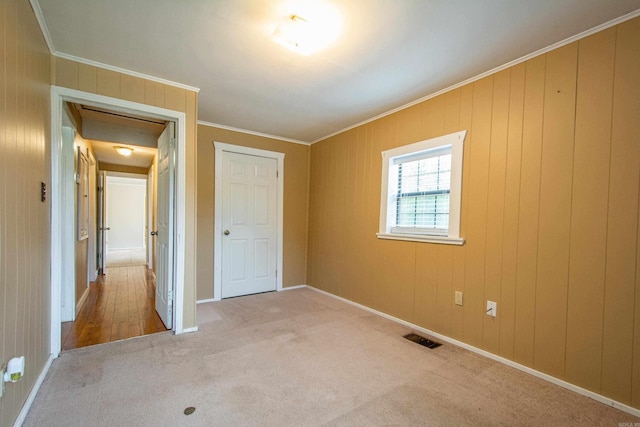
<point>125,213</point>
<point>63,264</point>
<point>115,293</point>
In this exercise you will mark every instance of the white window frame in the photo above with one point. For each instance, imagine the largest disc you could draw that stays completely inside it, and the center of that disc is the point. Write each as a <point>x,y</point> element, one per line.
<point>388,198</point>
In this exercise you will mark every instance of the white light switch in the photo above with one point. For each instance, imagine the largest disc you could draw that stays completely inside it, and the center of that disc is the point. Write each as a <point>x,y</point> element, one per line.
<point>458,298</point>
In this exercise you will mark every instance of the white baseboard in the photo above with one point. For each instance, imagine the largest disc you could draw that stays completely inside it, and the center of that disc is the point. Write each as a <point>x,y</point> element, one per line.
<point>290,288</point>
<point>595,396</point>
<point>34,392</point>
<point>188,330</point>
<point>81,300</point>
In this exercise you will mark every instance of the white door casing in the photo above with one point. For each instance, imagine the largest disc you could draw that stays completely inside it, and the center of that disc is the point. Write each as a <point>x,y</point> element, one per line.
<point>164,237</point>
<point>249,224</point>
<point>68,290</point>
<point>59,95</point>
<point>220,148</point>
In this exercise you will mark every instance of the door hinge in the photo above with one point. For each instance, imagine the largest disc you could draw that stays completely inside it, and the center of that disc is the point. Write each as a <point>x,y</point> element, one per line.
<point>277,174</point>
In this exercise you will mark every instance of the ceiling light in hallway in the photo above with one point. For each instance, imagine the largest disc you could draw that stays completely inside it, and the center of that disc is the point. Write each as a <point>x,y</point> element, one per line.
<point>124,151</point>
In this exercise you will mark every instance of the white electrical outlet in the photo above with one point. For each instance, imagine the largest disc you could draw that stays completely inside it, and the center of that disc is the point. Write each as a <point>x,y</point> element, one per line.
<point>458,298</point>
<point>492,308</point>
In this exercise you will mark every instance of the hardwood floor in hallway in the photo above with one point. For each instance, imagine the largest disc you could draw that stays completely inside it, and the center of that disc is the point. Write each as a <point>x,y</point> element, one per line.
<point>120,304</point>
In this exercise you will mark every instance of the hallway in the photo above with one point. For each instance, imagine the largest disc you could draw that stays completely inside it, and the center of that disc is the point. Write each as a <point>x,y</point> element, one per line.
<point>120,305</point>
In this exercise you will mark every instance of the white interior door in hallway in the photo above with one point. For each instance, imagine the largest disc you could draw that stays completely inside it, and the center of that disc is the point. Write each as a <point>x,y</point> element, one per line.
<point>165,232</point>
<point>249,224</point>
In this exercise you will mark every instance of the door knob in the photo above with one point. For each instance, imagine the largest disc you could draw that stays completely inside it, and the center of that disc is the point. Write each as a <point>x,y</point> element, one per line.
<point>154,233</point>
<point>105,228</point>
<point>226,232</point>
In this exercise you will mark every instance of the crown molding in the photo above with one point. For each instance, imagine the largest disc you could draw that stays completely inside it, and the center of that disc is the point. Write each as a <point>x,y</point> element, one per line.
<point>43,25</point>
<point>249,132</point>
<point>125,71</point>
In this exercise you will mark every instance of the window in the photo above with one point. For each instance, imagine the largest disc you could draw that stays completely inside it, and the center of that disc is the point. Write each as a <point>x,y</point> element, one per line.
<point>421,189</point>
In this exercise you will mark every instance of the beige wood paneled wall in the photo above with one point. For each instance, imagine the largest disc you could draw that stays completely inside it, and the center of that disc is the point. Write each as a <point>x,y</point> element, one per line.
<point>550,215</point>
<point>24,219</point>
<point>296,186</point>
<point>87,78</point>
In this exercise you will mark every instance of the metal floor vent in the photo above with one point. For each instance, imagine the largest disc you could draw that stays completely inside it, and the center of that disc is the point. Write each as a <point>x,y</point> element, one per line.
<point>422,341</point>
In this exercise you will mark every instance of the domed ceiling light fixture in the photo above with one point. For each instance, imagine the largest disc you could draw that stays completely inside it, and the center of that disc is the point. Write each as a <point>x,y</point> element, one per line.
<point>310,30</point>
<point>124,151</point>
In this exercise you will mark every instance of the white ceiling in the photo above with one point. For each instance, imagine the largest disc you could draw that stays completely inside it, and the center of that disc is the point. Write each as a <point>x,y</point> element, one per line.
<point>390,52</point>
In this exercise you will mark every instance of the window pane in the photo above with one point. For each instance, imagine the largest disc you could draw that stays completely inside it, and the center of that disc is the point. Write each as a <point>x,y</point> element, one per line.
<point>423,193</point>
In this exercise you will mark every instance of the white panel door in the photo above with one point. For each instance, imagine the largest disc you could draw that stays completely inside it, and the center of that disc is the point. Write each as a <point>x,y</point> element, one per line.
<point>103,228</point>
<point>149,227</point>
<point>248,224</point>
<point>164,237</point>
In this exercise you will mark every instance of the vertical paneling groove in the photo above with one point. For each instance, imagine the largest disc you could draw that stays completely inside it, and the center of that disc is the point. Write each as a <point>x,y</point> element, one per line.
<point>108,83</point>
<point>348,232</point>
<point>555,210</point>
<point>445,287</point>
<point>511,212</point>
<point>635,369</point>
<point>528,211</point>
<point>132,88</point>
<point>495,207</point>
<point>426,277</point>
<point>87,78</point>
<point>4,351</point>
<point>460,254</point>
<point>589,208</point>
<point>621,266</point>
<point>423,117</point>
<point>12,183</point>
<point>66,73</point>
<point>191,214</point>
<point>480,145</point>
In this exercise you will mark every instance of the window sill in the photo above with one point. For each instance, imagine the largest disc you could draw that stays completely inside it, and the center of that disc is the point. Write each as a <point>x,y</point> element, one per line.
<point>422,238</point>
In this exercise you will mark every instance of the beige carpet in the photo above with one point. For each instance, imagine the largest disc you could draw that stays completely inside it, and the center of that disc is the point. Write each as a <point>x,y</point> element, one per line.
<point>298,358</point>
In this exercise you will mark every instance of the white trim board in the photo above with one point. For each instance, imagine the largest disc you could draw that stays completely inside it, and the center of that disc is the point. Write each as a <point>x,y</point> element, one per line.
<point>34,392</point>
<point>595,396</point>
<point>495,70</point>
<point>59,95</point>
<point>125,71</point>
<point>288,288</point>
<point>291,288</point>
<point>250,132</point>
<point>43,25</point>
<point>217,230</point>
